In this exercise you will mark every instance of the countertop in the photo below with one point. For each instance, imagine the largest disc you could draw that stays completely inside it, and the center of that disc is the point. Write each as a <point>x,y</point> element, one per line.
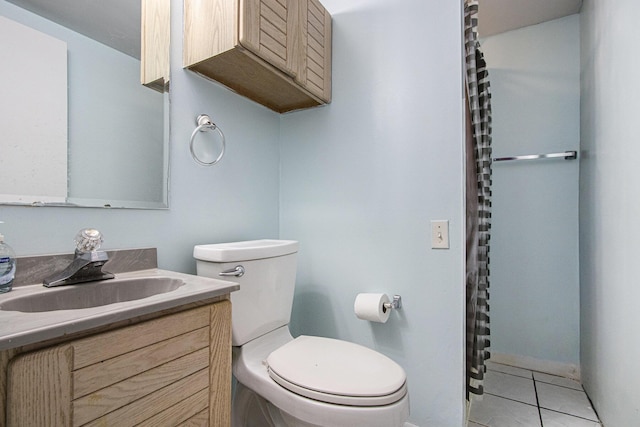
<point>22,328</point>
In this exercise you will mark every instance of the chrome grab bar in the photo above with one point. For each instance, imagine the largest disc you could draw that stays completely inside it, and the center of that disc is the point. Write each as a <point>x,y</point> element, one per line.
<point>568,155</point>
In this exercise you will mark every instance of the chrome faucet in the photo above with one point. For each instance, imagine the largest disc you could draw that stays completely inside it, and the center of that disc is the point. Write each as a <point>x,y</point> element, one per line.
<point>87,263</point>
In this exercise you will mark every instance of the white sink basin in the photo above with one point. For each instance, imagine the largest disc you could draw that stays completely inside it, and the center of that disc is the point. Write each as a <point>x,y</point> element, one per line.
<point>92,294</point>
<point>33,313</point>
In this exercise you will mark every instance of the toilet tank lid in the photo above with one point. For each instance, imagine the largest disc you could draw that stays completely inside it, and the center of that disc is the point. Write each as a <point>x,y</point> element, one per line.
<point>244,251</point>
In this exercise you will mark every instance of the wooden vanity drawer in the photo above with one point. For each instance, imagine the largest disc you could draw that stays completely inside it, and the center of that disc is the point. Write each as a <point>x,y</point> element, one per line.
<point>167,371</point>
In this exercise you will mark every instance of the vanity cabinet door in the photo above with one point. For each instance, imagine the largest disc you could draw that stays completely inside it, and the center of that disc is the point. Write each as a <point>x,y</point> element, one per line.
<point>39,388</point>
<point>167,371</point>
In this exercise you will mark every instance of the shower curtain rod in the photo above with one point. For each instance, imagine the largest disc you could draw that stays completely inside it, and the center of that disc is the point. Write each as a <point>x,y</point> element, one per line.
<point>568,155</point>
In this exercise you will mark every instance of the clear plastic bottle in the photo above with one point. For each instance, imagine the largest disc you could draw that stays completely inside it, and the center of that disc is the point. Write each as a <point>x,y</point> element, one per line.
<point>7,266</point>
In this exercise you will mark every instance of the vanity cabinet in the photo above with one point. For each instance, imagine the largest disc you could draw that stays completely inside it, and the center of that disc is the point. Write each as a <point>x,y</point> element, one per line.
<point>154,38</point>
<point>172,370</point>
<point>275,52</point>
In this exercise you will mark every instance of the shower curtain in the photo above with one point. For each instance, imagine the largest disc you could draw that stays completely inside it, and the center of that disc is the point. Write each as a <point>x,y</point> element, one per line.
<point>478,202</point>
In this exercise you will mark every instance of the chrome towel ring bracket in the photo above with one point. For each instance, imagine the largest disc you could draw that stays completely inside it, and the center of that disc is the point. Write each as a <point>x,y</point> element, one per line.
<point>205,124</point>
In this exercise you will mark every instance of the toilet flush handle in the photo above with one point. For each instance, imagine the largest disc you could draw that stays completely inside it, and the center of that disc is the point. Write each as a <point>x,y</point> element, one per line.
<point>237,271</point>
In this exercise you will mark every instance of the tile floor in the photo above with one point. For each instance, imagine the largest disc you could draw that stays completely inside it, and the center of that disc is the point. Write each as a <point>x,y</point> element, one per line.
<point>517,397</point>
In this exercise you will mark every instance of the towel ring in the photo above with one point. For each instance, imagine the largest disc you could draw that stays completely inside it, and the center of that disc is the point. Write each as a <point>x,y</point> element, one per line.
<point>204,123</point>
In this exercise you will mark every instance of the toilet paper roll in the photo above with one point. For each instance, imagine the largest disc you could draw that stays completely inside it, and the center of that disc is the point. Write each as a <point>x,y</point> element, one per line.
<point>371,307</point>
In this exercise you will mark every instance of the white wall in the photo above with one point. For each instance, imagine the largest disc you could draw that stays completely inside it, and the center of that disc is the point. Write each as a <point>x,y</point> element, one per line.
<point>362,178</point>
<point>535,85</point>
<point>609,209</point>
<point>33,163</point>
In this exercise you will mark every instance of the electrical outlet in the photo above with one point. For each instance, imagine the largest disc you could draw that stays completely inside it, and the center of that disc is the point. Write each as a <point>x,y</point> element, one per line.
<point>440,234</point>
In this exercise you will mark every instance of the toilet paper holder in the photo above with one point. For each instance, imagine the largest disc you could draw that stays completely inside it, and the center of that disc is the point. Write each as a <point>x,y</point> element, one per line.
<point>395,304</point>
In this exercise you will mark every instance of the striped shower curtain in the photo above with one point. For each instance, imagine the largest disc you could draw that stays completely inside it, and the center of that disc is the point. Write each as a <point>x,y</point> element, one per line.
<point>478,202</point>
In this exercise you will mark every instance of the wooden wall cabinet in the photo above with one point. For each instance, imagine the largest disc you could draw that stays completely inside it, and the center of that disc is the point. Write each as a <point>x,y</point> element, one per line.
<point>275,52</point>
<point>173,370</point>
<point>155,35</point>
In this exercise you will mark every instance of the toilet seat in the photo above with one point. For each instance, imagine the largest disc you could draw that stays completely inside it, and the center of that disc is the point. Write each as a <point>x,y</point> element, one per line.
<point>337,372</point>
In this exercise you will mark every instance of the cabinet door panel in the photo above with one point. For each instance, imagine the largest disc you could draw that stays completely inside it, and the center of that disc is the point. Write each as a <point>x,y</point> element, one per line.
<point>154,71</point>
<point>182,412</point>
<point>100,375</point>
<point>315,65</point>
<point>169,371</point>
<point>125,393</point>
<point>267,29</point>
<point>220,353</point>
<point>210,29</point>
<point>104,346</point>
<point>145,408</point>
<point>39,388</point>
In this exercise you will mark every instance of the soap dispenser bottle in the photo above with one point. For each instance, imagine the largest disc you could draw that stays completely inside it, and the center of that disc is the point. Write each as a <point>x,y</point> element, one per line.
<point>7,266</point>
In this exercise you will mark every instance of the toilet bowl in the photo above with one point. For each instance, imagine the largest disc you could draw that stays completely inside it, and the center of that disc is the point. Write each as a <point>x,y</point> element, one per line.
<point>304,381</point>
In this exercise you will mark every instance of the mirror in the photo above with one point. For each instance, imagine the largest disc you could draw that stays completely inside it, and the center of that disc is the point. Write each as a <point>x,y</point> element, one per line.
<point>81,129</point>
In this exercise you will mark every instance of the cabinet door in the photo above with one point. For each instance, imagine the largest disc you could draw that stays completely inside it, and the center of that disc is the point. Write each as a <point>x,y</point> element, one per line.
<point>163,372</point>
<point>269,29</point>
<point>315,68</point>
<point>39,388</point>
<point>154,70</point>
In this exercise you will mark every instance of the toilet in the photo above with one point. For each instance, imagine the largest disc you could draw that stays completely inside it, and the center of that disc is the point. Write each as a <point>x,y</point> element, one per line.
<point>306,381</point>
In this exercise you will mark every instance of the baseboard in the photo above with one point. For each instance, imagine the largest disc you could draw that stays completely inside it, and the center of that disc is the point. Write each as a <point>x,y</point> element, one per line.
<point>567,370</point>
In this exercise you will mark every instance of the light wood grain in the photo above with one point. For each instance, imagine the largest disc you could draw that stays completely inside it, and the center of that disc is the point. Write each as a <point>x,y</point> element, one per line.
<point>210,28</point>
<point>268,23</point>
<point>328,46</point>
<point>100,375</point>
<point>315,70</point>
<point>123,393</point>
<point>148,406</point>
<point>268,60</point>
<point>155,35</point>
<point>200,419</point>
<point>5,358</point>
<point>237,69</point>
<point>181,412</point>
<point>39,388</point>
<point>110,344</point>
<point>220,365</point>
<point>165,384</point>
<point>249,28</point>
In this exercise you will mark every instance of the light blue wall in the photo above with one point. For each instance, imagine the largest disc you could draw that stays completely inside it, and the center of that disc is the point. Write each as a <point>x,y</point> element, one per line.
<point>357,182</point>
<point>237,199</point>
<point>362,178</point>
<point>609,209</point>
<point>535,85</point>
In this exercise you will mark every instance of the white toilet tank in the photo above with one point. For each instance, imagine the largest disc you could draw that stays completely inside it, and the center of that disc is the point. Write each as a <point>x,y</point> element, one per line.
<point>265,298</point>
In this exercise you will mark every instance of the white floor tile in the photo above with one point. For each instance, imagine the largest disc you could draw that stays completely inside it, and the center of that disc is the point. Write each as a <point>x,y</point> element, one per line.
<point>510,386</point>
<point>555,380</point>
<point>562,399</point>
<point>556,419</point>
<point>492,366</point>
<point>472,424</point>
<point>495,411</point>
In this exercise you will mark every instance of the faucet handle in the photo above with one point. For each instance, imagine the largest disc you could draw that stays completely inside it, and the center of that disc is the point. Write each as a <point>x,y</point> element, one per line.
<point>88,240</point>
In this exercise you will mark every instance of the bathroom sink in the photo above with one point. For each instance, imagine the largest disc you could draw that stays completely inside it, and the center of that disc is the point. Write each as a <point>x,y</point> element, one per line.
<point>93,294</point>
